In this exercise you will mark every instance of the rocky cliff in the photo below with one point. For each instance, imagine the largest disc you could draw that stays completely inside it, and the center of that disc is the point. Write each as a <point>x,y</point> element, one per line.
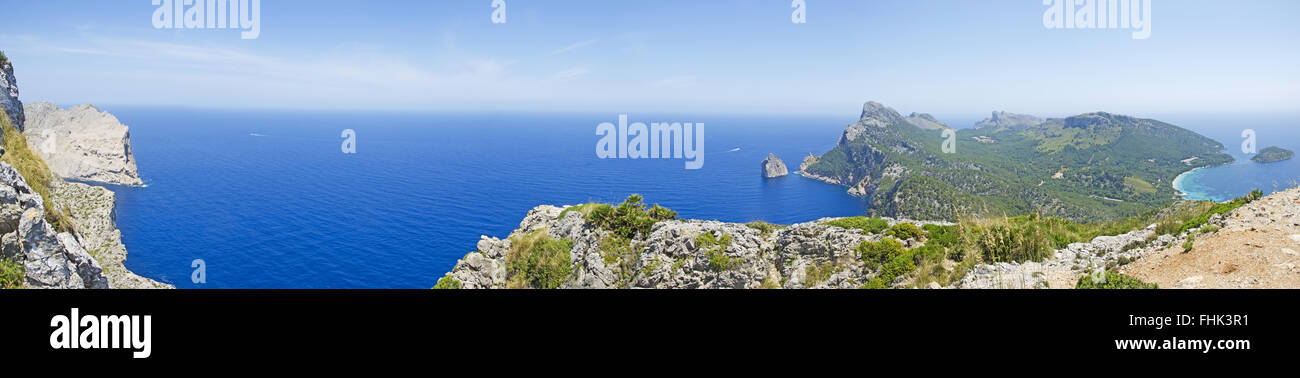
<point>74,243</point>
<point>1087,167</point>
<point>82,143</point>
<point>94,212</point>
<point>50,259</point>
<point>9,95</point>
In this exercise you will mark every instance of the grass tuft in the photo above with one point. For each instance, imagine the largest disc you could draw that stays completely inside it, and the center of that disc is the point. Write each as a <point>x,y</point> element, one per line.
<point>447,283</point>
<point>536,261</point>
<point>35,171</point>
<point>12,274</point>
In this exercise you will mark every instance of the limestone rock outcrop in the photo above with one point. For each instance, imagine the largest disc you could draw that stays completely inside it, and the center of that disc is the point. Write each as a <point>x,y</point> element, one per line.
<point>9,95</point>
<point>50,259</point>
<point>773,167</point>
<point>82,143</point>
<point>672,256</point>
<point>1000,120</point>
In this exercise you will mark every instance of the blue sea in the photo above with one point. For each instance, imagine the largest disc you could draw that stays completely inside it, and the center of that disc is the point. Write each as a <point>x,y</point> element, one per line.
<point>1222,183</point>
<point>268,199</point>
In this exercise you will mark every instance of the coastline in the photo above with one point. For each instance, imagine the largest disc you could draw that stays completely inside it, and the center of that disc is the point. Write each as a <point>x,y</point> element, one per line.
<point>1179,179</point>
<point>93,208</point>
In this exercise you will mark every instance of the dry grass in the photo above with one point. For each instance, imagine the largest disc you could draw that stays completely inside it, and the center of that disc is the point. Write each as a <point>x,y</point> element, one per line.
<point>34,170</point>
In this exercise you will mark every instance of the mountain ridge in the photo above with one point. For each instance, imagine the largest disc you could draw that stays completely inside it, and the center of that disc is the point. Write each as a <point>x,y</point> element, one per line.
<point>1091,166</point>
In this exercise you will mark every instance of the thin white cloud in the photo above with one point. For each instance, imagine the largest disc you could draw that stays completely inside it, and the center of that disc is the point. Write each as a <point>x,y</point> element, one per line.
<point>575,46</point>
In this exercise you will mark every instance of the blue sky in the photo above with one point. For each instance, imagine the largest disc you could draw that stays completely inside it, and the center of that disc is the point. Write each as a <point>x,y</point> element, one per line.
<point>957,58</point>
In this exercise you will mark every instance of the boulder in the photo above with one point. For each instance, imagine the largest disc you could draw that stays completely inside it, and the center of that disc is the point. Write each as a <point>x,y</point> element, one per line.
<point>46,263</point>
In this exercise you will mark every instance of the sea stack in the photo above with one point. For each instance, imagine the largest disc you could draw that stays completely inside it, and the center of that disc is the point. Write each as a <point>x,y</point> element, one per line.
<point>774,167</point>
<point>82,143</point>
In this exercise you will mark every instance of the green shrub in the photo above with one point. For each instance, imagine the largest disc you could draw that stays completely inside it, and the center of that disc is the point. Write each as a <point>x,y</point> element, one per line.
<point>904,231</point>
<point>929,251</point>
<point>867,225</point>
<point>583,209</point>
<point>876,283</point>
<point>1062,240</point>
<point>1189,244</point>
<point>447,283</point>
<point>538,262</point>
<point>3,58</point>
<point>898,266</point>
<point>894,261</point>
<point>620,256</point>
<point>715,249</point>
<point>629,219</point>
<point>12,274</point>
<point>1113,281</point>
<point>946,236</point>
<point>875,254</point>
<point>764,227</point>
<point>931,267</point>
<point>1220,208</point>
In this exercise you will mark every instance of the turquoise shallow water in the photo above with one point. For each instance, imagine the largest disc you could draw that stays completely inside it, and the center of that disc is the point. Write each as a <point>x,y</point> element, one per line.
<point>1234,180</point>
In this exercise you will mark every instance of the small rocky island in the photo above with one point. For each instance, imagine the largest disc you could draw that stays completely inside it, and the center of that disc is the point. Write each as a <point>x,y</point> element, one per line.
<point>773,167</point>
<point>1272,155</point>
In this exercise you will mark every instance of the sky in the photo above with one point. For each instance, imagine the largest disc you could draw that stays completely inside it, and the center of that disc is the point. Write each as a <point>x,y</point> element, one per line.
<point>957,58</point>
